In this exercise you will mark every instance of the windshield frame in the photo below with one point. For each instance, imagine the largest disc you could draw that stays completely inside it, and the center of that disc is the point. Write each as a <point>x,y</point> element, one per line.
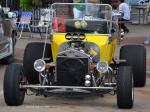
<point>52,8</point>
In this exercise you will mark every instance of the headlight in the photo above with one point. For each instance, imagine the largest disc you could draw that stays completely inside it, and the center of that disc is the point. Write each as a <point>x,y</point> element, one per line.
<point>77,25</point>
<point>102,67</point>
<point>39,65</point>
<point>84,24</point>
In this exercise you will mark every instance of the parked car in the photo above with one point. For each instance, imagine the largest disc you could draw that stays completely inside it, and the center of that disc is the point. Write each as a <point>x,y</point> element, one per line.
<point>7,40</point>
<point>78,60</point>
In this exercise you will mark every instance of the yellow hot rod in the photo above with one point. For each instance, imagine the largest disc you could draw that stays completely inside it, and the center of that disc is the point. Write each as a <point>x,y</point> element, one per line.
<point>79,59</point>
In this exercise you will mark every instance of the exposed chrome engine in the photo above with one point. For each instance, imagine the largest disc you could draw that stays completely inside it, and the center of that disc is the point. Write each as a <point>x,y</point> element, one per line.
<point>81,49</point>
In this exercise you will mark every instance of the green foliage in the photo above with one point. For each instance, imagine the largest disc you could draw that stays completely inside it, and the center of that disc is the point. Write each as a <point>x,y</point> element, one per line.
<point>26,5</point>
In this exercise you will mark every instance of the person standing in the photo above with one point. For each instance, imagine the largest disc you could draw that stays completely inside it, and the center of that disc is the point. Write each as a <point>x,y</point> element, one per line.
<point>125,10</point>
<point>92,9</point>
<point>115,4</point>
<point>79,10</point>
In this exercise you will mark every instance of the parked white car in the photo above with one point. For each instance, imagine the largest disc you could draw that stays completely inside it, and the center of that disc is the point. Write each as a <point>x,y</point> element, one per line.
<point>7,40</point>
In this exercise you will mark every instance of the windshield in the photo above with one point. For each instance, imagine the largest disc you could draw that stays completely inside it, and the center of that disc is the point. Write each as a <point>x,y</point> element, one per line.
<point>83,17</point>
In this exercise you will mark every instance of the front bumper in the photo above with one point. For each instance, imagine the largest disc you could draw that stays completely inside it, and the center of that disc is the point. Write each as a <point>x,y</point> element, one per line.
<point>68,91</point>
<point>65,87</point>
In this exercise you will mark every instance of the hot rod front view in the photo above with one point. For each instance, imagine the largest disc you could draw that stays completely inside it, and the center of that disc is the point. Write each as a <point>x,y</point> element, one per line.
<point>78,58</point>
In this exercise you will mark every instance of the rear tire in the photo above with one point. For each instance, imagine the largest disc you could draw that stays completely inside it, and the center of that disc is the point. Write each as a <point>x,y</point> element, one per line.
<point>13,95</point>
<point>125,92</point>
<point>33,52</point>
<point>135,55</point>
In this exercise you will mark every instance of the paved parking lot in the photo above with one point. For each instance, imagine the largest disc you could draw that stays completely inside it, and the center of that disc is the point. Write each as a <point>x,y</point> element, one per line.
<point>88,104</point>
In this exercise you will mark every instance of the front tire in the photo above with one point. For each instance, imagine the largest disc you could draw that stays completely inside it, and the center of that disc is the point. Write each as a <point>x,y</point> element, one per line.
<point>13,94</point>
<point>33,52</point>
<point>125,91</point>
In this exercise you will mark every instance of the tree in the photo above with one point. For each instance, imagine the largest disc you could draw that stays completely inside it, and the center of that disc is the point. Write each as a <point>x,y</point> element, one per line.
<point>26,5</point>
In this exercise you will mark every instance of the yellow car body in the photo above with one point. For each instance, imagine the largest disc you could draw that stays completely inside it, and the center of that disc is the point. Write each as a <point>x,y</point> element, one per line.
<point>107,48</point>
